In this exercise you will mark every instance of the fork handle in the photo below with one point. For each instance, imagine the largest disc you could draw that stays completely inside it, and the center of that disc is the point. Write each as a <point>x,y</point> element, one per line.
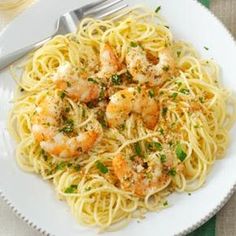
<point>18,54</point>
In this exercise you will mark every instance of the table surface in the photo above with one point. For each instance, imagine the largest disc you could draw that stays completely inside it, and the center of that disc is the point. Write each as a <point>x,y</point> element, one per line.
<point>11,225</point>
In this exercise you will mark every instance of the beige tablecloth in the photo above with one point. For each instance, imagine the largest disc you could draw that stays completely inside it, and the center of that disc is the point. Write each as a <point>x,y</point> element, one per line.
<point>11,225</point>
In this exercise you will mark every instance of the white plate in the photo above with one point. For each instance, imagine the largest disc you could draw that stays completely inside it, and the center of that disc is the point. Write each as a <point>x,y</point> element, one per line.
<point>35,200</point>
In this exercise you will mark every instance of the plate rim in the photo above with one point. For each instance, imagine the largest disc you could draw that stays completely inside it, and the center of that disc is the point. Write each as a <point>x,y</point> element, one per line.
<point>189,229</point>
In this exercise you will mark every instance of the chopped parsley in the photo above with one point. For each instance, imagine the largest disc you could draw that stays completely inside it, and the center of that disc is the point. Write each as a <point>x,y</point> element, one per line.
<point>43,153</point>
<point>62,94</point>
<point>165,68</point>
<point>88,188</point>
<point>133,44</point>
<point>90,104</point>
<point>161,131</point>
<point>101,118</point>
<point>67,109</point>
<point>178,53</point>
<point>83,112</point>
<point>139,89</point>
<point>61,166</point>
<point>102,93</point>
<point>100,166</point>
<point>132,158</point>
<point>164,111</point>
<point>116,79</point>
<point>154,146</point>
<point>128,76</point>
<point>180,152</point>
<point>92,80</point>
<point>170,143</point>
<point>77,167</point>
<point>172,172</point>
<point>122,127</point>
<point>149,175</point>
<point>165,203</point>
<point>138,149</point>
<point>201,99</point>
<point>184,91</point>
<point>71,189</point>
<point>22,90</point>
<point>163,158</point>
<point>206,48</point>
<point>68,127</point>
<point>174,95</point>
<point>158,9</point>
<point>151,93</point>
<point>68,84</point>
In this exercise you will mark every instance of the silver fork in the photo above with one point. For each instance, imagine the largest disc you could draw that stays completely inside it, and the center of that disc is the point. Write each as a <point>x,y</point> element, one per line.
<point>67,23</point>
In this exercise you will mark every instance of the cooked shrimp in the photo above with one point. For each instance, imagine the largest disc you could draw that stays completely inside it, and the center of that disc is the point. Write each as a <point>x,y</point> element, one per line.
<point>131,100</point>
<point>138,176</point>
<point>166,63</point>
<point>109,62</point>
<point>143,70</point>
<point>47,112</point>
<point>76,88</point>
<point>138,64</point>
<point>64,147</point>
<point>52,139</point>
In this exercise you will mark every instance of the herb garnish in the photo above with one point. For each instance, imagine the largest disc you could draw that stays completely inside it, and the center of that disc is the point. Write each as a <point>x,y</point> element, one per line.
<point>201,99</point>
<point>133,44</point>
<point>102,93</point>
<point>90,104</point>
<point>62,94</point>
<point>180,152</point>
<point>69,126</point>
<point>71,189</point>
<point>165,203</point>
<point>163,158</point>
<point>61,166</point>
<point>165,68</point>
<point>174,95</point>
<point>92,80</point>
<point>103,169</point>
<point>184,91</point>
<point>128,76</point>
<point>154,146</point>
<point>172,172</point>
<point>116,79</point>
<point>151,93</point>
<point>138,149</point>
<point>164,111</point>
<point>158,9</point>
<point>77,167</point>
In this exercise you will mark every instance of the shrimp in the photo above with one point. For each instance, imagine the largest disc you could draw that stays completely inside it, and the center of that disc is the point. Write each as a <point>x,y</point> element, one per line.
<point>47,131</point>
<point>109,62</point>
<point>137,64</point>
<point>143,70</point>
<point>77,89</point>
<point>138,176</point>
<point>166,64</point>
<point>64,147</point>
<point>131,100</point>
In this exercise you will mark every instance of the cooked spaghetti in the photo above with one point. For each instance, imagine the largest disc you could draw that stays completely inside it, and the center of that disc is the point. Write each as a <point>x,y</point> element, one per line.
<point>118,116</point>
